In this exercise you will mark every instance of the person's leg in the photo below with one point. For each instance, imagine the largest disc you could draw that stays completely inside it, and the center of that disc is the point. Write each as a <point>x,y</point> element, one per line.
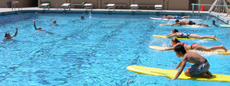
<point>183,17</point>
<point>203,48</point>
<point>187,73</point>
<point>201,24</point>
<point>201,37</point>
<point>218,47</point>
<point>204,75</point>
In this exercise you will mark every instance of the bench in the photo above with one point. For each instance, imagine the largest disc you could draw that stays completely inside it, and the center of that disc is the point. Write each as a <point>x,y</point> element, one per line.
<point>112,6</point>
<point>66,5</point>
<point>117,5</point>
<point>45,5</point>
<point>158,7</point>
<point>134,7</point>
<point>88,6</point>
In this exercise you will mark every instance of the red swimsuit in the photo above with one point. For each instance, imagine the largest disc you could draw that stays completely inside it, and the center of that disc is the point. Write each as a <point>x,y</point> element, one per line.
<point>191,45</point>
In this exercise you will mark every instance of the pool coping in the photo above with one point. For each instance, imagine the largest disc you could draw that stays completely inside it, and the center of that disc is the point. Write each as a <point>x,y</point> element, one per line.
<point>221,16</point>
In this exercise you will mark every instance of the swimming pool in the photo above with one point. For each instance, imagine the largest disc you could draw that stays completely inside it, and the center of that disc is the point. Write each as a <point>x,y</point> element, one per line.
<point>97,50</point>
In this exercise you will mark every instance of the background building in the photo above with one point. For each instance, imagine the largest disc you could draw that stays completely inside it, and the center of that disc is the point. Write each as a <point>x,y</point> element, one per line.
<point>101,4</point>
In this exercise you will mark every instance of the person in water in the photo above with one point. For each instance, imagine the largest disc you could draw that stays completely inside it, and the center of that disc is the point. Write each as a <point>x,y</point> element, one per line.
<point>82,17</point>
<point>214,23</point>
<point>37,28</point>
<point>174,17</point>
<point>176,33</point>
<point>8,36</point>
<point>200,67</point>
<point>40,29</point>
<point>54,22</point>
<point>195,46</point>
<point>178,22</point>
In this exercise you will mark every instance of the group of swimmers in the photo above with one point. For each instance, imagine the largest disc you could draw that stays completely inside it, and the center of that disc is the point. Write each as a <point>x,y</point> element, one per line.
<point>201,65</point>
<point>8,36</point>
<point>178,22</point>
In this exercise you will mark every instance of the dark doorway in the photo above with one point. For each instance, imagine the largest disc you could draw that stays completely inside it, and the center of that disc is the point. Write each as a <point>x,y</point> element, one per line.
<point>190,4</point>
<point>34,3</point>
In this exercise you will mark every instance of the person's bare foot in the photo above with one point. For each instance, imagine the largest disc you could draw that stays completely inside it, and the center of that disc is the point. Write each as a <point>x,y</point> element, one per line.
<point>224,48</point>
<point>207,75</point>
<point>214,37</point>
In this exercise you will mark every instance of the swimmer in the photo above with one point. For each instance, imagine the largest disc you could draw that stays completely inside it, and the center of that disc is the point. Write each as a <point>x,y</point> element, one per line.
<point>195,46</point>
<point>214,23</point>
<point>82,18</point>
<point>54,22</point>
<point>176,33</point>
<point>178,22</point>
<point>7,35</point>
<point>199,69</point>
<point>37,28</point>
<point>40,29</point>
<point>174,17</point>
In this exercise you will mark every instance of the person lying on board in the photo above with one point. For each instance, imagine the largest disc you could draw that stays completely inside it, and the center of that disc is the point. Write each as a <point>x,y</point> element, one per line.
<point>176,33</point>
<point>174,17</point>
<point>195,46</point>
<point>178,22</point>
<point>200,67</point>
<point>8,36</point>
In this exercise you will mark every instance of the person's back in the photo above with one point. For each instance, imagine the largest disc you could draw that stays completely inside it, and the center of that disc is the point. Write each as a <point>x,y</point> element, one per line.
<point>195,58</point>
<point>181,22</point>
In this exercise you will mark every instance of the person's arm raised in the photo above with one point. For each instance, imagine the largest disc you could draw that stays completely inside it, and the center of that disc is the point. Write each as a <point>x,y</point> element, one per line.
<point>15,32</point>
<point>35,25</point>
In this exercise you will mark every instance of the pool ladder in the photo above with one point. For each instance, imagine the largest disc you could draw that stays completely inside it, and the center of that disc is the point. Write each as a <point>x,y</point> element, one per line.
<point>16,4</point>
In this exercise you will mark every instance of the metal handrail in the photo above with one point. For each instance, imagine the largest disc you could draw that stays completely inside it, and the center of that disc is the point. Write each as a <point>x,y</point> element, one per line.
<point>17,3</point>
<point>205,5</point>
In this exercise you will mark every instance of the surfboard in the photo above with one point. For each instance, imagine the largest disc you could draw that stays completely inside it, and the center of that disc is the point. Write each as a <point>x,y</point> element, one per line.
<point>185,25</point>
<point>224,26</point>
<point>165,19</point>
<point>161,36</point>
<point>172,73</point>
<point>221,52</point>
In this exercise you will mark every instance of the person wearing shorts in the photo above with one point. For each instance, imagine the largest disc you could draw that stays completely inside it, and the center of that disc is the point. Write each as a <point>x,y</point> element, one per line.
<point>191,23</point>
<point>199,70</point>
<point>178,22</point>
<point>200,67</point>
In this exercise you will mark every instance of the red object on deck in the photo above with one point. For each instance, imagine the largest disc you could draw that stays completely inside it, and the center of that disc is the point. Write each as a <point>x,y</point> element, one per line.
<point>202,8</point>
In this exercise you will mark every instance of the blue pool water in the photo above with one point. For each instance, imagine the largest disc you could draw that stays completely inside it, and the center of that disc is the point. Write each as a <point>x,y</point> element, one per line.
<point>97,50</point>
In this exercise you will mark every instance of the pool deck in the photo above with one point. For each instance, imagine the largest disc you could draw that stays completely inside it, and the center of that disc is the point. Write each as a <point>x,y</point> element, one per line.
<point>220,16</point>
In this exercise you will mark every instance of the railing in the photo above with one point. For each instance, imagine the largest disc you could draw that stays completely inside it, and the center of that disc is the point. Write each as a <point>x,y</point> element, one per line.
<point>206,5</point>
<point>16,4</point>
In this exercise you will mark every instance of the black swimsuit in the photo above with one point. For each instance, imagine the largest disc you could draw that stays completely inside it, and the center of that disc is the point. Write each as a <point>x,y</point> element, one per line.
<point>191,23</point>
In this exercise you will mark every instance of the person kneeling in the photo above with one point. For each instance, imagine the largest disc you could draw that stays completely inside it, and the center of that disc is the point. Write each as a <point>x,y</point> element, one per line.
<point>200,67</point>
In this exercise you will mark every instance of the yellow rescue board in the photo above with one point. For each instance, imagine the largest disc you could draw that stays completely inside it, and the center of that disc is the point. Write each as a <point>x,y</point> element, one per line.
<point>185,25</point>
<point>221,52</point>
<point>172,73</point>
<point>161,36</point>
